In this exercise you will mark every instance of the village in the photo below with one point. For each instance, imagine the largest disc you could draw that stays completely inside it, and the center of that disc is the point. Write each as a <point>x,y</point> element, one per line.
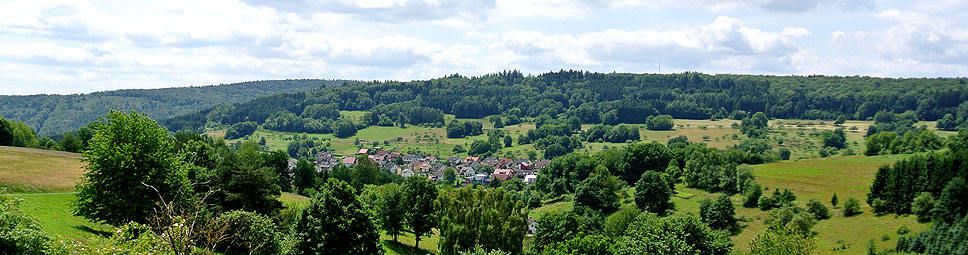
<point>471,170</point>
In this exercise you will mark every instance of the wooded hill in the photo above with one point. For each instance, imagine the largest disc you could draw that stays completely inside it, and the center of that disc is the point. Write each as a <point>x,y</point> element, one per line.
<point>52,115</point>
<point>608,98</point>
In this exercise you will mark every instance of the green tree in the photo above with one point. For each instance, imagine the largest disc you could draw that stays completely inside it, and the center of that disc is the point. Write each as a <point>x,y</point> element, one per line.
<point>598,191</point>
<point>252,233</point>
<point>387,202</point>
<point>752,194</point>
<point>304,175</point>
<point>661,122</point>
<point>344,129</point>
<point>833,200</point>
<point>71,143</point>
<point>6,133</point>
<point>364,172</point>
<point>336,222</point>
<point>585,245</point>
<point>718,215</point>
<point>450,176</point>
<point>499,221</point>
<point>836,138</point>
<point>507,141</point>
<point>652,192</point>
<point>129,165</point>
<point>782,240</point>
<point>676,234</point>
<point>643,157</point>
<point>948,123</point>
<point>618,222</point>
<point>819,211</point>
<point>841,119</point>
<point>951,204</point>
<point>922,206</point>
<point>852,207</point>
<point>244,183</point>
<point>793,217</point>
<point>278,160</point>
<point>419,194</point>
<point>555,227</point>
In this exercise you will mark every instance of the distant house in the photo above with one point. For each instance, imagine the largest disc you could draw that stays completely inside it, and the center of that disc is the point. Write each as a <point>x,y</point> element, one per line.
<point>438,172</point>
<point>467,171</point>
<point>349,161</point>
<point>472,159</point>
<point>541,164</point>
<point>506,163</point>
<point>395,155</point>
<point>411,158</point>
<point>528,179</point>
<point>455,160</point>
<point>480,179</point>
<point>532,226</point>
<point>430,159</point>
<point>363,151</point>
<point>325,161</point>
<point>502,174</point>
<point>407,173</point>
<point>492,162</point>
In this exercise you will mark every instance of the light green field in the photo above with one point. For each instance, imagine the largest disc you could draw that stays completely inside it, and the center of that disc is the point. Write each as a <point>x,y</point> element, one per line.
<point>24,170</point>
<point>52,211</point>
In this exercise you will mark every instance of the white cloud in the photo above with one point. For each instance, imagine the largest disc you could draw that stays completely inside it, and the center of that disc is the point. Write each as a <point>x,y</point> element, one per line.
<point>386,10</point>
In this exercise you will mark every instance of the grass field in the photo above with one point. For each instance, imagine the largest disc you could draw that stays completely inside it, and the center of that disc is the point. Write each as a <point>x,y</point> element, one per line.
<point>52,211</point>
<point>33,171</point>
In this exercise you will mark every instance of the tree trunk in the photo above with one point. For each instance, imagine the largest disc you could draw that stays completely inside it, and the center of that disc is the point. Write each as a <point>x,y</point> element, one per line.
<point>416,244</point>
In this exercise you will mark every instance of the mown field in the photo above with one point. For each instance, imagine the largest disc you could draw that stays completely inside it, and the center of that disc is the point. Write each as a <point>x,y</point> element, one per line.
<point>24,170</point>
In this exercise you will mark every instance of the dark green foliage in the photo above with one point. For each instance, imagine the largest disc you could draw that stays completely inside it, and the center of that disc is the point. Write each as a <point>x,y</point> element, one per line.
<point>755,126</point>
<point>244,182</point>
<point>55,114</point>
<point>852,207</point>
<point>419,194</point>
<point>305,147</point>
<point>778,199</point>
<point>719,215</point>
<point>403,113</point>
<point>6,133</point>
<point>252,233</point>
<point>661,122</point>
<point>586,245</point>
<point>952,204</point>
<point>841,119</point>
<point>795,218</point>
<point>279,162</point>
<point>507,141</point>
<point>618,222</point>
<point>336,222</point>
<point>643,157</point>
<point>834,200</point>
<point>819,211</point>
<point>241,129</point>
<point>922,206</point>
<point>388,206</point>
<point>917,140</point>
<point>941,238</point>
<point>751,194</point>
<point>480,148</point>
<point>895,187</point>
<point>709,169</point>
<point>304,175</point>
<point>563,174</point>
<point>598,191</point>
<point>652,193</point>
<point>17,134</point>
<point>612,134</point>
<point>782,240</point>
<point>130,164</point>
<point>496,121</point>
<point>458,129</point>
<point>677,234</point>
<point>500,224</point>
<point>836,139</point>
<point>70,143</point>
<point>948,123</point>
<point>556,227</point>
<point>785,154</point>
<point>344,129</point>
<point>19,233</point>
<point>286,121</point>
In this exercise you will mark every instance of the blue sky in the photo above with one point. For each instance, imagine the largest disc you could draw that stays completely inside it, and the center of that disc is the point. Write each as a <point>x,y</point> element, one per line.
<point>78,46</point>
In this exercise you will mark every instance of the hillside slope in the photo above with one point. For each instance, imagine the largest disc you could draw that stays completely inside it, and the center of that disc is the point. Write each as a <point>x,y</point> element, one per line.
<point>24,170</point>
<point>52,115</point>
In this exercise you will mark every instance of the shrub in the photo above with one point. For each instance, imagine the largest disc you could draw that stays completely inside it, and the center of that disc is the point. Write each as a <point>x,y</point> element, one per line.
<point>817,208</point>
<point>253,233</point>
<point>852,207</point>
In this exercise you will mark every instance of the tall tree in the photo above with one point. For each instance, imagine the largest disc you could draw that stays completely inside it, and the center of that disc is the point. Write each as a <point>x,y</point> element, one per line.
<point>598,192</point>
<point>245,183</point>
<point>388,205</point>
<point>419,194</point>
<point>130,164</point>
<point>336,222</point>
<point>720,214</point>
<point>489,218</point>
<point>652,192</point>
<point>304,175</point>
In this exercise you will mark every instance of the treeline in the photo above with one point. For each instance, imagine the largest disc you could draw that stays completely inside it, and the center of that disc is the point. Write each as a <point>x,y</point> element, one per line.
<point>18,134</point>
<point>611,99</point>
<point>930,185</point>
<point>896,134</point>
<point>52,115</point>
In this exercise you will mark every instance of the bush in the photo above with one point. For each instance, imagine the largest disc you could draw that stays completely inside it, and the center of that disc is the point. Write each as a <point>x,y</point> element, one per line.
<point>852,207</point>
<point>766,203</point>
<point>661,122</point>
<point>818,210</point>
<point>253,233</point>
<point>19,234</point>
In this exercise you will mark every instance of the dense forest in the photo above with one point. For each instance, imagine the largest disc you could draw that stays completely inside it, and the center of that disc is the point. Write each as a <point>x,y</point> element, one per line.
<point>52,115</point>
<point>599,98</point>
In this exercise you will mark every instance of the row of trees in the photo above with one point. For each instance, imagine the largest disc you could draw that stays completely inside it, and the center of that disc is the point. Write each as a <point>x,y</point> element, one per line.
<point>932,185</point>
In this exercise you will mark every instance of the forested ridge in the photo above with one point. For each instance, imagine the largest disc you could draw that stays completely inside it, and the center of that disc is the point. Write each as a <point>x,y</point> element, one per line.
<point>52,115</point>
<point>616,98</point>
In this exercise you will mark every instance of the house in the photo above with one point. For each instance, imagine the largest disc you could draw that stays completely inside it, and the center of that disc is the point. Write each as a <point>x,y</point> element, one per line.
<point>502,174</point>
<point>528,179</point>
<point>467,171</point>
<point>540,164</point>
<point>349,161</point>
<point>363,151</point>
<point>506,162</point>
<point>407,173</point>
<point>325,161</point>
<point>389,167</point>
<point>438,172</point>
<point>470,159</point>
<point>480,179</point>
<point>473,164</point>
<point>522,173</point>
<point>430,159</point>
<point>455,160</point>
<point>492,162</point>
<point>532,226</point>
<point>411,158</point>
<point>395,155</point>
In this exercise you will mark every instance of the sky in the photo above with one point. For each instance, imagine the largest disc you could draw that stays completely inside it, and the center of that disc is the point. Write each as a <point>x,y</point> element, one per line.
<point>81,46</point>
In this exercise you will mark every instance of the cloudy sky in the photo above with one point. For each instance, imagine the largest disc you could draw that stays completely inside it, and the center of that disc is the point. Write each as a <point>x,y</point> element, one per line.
<point>78,46</point>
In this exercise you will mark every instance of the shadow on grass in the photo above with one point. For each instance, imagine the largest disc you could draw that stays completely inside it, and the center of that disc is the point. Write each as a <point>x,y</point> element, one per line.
<point>97,232</point>
<point>399,248</point>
